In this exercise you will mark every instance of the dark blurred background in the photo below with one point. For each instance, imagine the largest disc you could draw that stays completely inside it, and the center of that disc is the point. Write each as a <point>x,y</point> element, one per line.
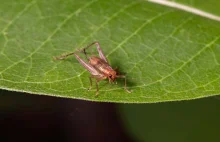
<point>28,117</point>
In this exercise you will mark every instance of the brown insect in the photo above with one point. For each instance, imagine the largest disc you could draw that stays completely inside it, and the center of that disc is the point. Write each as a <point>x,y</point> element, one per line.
<point>97,66</point>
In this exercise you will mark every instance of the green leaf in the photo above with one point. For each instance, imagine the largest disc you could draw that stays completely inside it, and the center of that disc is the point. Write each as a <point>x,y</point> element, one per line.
<point>167,54</point>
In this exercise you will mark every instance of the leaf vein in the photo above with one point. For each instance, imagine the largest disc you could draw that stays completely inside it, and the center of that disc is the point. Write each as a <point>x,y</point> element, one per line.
<point>108,20</point>
<point>137,30</point>
<point>165,39</point>
<point>50,36</point>
<point>18,16</point>
<point>103,25</point>
<point>192,58</point>
<point>29,70</point>
<point>184,64</point>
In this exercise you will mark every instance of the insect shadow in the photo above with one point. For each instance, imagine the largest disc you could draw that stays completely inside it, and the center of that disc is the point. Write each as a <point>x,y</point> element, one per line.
<point>117,65</point>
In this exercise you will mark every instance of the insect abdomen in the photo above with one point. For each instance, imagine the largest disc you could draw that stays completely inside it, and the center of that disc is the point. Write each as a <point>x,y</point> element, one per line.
<point>100,65</point>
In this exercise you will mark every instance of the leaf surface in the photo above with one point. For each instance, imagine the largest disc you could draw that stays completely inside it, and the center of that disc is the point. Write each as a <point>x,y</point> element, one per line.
<point>167,54</point>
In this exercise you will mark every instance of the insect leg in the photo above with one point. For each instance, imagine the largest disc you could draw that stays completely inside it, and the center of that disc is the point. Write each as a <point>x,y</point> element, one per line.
<point>90,87</point>
<point>101,54</point>
<point>87,66</point>
<point>63,56</point>
<point>97,80</point>
<point>125,83</point>
<point>97,88</point>
<point>84,51</point>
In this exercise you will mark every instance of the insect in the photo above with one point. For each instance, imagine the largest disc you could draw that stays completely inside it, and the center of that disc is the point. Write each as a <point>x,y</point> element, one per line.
<point>97,66</point>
